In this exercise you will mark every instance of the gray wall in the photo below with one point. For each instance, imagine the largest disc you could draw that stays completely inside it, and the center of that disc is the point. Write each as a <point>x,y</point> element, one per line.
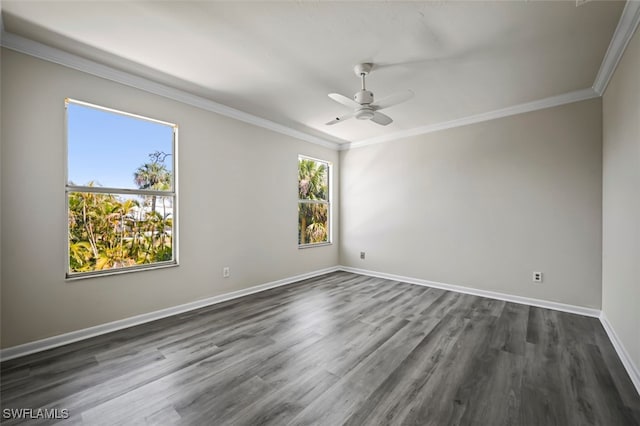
<point>484,205</point>
<point>621,201</point>
<point>230,172</point>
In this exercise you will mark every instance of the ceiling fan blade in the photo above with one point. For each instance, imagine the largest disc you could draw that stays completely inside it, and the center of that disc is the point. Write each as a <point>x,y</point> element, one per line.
<point>394,99</point>
<point>342,99</point>
<point>381,119</point>
<point>341,118</point>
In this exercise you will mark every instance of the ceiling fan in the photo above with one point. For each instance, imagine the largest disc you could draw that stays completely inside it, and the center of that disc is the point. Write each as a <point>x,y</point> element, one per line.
<point>362,103</point>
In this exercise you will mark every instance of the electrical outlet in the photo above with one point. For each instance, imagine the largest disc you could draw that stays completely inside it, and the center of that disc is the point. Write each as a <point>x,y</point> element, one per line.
<point>537,277</point>
<point>226,272</point>
<point>362,255</point>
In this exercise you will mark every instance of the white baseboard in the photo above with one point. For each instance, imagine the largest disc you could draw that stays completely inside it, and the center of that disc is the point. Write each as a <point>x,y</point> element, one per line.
<point>580,310</point>
<point>632,369</point>
<point>74,336</point>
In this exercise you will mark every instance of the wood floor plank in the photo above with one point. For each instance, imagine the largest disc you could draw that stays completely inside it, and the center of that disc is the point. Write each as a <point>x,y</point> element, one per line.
<point>292,396</point>
<point>438,399</point>
<point>493,399</point>
<point>511,334</point>
<point>390,398</point>
<point>43,389</point>
<point>336,349</point>
<point>542,374</point>
<point>357,387</point>
<point>217,407</point>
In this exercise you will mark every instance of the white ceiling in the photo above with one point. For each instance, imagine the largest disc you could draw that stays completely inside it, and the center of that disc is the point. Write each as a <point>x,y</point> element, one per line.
<point>279,60</point>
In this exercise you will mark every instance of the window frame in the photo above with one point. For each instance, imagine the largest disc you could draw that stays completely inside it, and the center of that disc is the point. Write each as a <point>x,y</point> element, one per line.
<point>173,194</point>
<point>328,202</point>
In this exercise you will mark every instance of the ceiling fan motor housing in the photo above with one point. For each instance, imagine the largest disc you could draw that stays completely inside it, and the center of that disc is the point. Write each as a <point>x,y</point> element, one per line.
<point>365,113</point>
<point>363,97</point>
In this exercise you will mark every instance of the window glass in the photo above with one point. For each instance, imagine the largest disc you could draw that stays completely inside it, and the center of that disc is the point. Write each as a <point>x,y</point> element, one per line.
<point>313,201</point>
<point>121,199</point>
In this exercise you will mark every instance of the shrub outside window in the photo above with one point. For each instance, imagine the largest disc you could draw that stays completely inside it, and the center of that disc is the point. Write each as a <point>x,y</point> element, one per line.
<point>120,191</point>
<point>314,204</point>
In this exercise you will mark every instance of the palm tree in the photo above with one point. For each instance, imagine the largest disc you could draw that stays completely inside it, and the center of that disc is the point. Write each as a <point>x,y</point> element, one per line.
<point>153,175</point>
<point>312,180</point>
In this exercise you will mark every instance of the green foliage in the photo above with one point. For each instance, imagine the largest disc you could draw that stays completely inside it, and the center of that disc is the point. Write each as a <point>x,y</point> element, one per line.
<point>313,216</point>
<point>108,232</point>
<point>105,234</point>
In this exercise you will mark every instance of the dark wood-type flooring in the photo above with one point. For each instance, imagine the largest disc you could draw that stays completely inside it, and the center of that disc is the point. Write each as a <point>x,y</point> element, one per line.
<point>338,349</point>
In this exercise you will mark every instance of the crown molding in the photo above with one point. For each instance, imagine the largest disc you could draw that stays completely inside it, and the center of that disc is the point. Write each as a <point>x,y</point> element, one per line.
<point>566,98</point>
<point>627,25</point>
<point>23,45</point>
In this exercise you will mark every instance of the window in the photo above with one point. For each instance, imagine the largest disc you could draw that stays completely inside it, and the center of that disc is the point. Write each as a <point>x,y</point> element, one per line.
<point>314,208</point>
<point>120,191</point>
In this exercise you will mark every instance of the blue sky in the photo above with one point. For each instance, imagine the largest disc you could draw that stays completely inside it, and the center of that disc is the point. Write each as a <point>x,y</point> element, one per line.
<point>107,148</point>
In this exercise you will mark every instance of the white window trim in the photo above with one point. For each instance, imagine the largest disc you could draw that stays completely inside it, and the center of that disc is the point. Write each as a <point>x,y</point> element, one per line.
<point>328,202</point>
<point>70,276</point>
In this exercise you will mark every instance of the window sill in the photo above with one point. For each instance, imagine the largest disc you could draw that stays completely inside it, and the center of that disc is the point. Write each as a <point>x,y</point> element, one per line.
<point>306,246</point>
<point>97,274</point>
